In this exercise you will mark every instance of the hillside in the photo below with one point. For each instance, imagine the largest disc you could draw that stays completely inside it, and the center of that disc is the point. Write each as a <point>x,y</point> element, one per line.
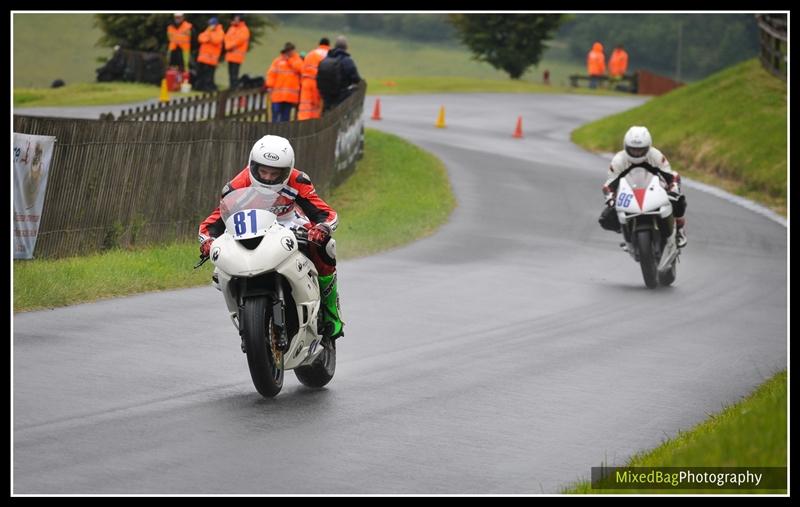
<point>729,129</point>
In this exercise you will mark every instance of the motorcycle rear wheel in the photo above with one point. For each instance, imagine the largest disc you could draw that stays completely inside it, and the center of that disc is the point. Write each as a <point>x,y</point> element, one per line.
<point>320,372</point>
<point>263,357</point>
<point>668,277</point>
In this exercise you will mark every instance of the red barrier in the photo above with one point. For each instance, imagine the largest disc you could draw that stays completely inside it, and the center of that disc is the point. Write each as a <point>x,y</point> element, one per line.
<point>653,84</point>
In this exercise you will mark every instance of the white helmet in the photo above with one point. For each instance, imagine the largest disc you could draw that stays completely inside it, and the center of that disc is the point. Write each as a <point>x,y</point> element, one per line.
<point>637,144</point>
<point>275,152</point>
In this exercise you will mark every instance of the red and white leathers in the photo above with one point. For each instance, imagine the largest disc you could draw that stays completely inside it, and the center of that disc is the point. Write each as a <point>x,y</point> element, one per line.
<point>309,210</point>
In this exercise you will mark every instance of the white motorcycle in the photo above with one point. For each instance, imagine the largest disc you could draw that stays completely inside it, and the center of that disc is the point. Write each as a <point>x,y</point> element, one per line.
<point>271,291</point>
<point>644,211</point>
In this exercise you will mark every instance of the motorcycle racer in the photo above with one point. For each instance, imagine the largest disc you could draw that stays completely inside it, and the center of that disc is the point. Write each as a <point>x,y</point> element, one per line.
<point>639,152</point>
<point>271,166</point>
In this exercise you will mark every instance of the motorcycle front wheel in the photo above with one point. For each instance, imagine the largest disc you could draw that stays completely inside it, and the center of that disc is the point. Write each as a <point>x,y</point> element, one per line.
<point>263,357</point>
<point>646,258</point>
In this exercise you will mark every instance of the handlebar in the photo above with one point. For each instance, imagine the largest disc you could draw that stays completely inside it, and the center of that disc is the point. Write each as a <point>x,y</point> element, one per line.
<point>301,234</point>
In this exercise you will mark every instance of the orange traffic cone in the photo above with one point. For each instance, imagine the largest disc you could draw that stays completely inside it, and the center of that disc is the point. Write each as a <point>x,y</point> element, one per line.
<point>518,130</point>
<point>164,93</point>
<point>440,119</point>
<point>376,115</point>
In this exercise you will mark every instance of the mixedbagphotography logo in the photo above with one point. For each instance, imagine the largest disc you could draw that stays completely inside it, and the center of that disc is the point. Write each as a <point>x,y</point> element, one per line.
<point>728,478</point>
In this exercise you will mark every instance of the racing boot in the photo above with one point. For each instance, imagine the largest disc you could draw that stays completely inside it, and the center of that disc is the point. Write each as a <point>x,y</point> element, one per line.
<point>331,322</point>
<point>680,234</point>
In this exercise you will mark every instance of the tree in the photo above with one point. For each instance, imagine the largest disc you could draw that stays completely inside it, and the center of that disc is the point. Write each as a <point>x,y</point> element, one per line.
<point>510,42</point>
<point>148,32</point>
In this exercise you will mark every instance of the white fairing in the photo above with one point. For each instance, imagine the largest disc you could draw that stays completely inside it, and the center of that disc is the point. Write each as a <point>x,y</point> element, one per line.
<point>277,251</point>
<point>236,260</point>
<point>653,196</point>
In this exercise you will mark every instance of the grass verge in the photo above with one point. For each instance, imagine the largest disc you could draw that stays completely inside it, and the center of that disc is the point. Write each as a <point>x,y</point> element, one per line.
<point>398,194</point>
<point>88,94</point>
<point>374,205</point>
<point>97,94</point>
<point>750,433</point>
<point>728,130</point>
<point>461,84</point>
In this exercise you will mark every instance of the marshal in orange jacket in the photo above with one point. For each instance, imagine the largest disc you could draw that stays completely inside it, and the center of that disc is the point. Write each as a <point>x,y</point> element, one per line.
<point>310,101</point>
<point>180,36</point>
<point>596,61</point>
<point>283,78</point>
<point>618,63</point>
<point>210,45</point>
<point>237,39</point>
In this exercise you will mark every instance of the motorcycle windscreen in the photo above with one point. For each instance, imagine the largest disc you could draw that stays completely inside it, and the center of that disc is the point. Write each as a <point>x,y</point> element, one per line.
<point>639,177</point>
<point>249,212</point>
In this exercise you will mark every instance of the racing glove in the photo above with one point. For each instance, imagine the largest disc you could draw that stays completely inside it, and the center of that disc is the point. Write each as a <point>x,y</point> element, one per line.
<point>205,246</point>
<point>674,190</point>
<point>319,233</point>
<point>609,196</point>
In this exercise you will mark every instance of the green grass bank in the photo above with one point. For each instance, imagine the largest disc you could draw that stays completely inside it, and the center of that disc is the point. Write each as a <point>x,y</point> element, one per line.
<point>728,130</point>
<point>749,433</point>
<point>375,213</point>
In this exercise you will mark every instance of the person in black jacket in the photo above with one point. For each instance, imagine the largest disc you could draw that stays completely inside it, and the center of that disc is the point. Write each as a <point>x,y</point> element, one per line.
<point>347,79</point>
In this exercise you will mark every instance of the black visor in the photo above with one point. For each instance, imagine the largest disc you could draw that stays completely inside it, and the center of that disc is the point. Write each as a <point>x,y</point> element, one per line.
<point>254,167</point>
<point>637,152</point>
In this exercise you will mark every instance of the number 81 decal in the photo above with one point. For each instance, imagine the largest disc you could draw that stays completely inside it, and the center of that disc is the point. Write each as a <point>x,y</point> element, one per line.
<point>239,222</point>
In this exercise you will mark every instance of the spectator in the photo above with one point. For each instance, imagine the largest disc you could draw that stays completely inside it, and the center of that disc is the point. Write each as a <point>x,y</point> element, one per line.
<point>617,64</point>
<point>595,64</point>
<point>337,75</point>
<point>237,39</point>
<point>207,59</point>
<point>179,34</point>
<point>283,83</point>
<point>310,101</point>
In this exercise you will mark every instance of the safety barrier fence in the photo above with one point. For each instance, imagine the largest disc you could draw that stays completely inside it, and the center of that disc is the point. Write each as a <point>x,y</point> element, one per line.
<point>772,30</point>
<point>248,104</point>
<point>125,183</point>
<point>642,82</point>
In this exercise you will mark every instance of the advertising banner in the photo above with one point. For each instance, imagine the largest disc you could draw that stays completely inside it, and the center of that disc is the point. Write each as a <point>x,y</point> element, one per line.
<point>32,156</point>
<point>350,139</point>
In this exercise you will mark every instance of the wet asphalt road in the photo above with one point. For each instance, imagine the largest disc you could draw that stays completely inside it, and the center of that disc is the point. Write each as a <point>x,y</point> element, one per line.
<point>507,353</point>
